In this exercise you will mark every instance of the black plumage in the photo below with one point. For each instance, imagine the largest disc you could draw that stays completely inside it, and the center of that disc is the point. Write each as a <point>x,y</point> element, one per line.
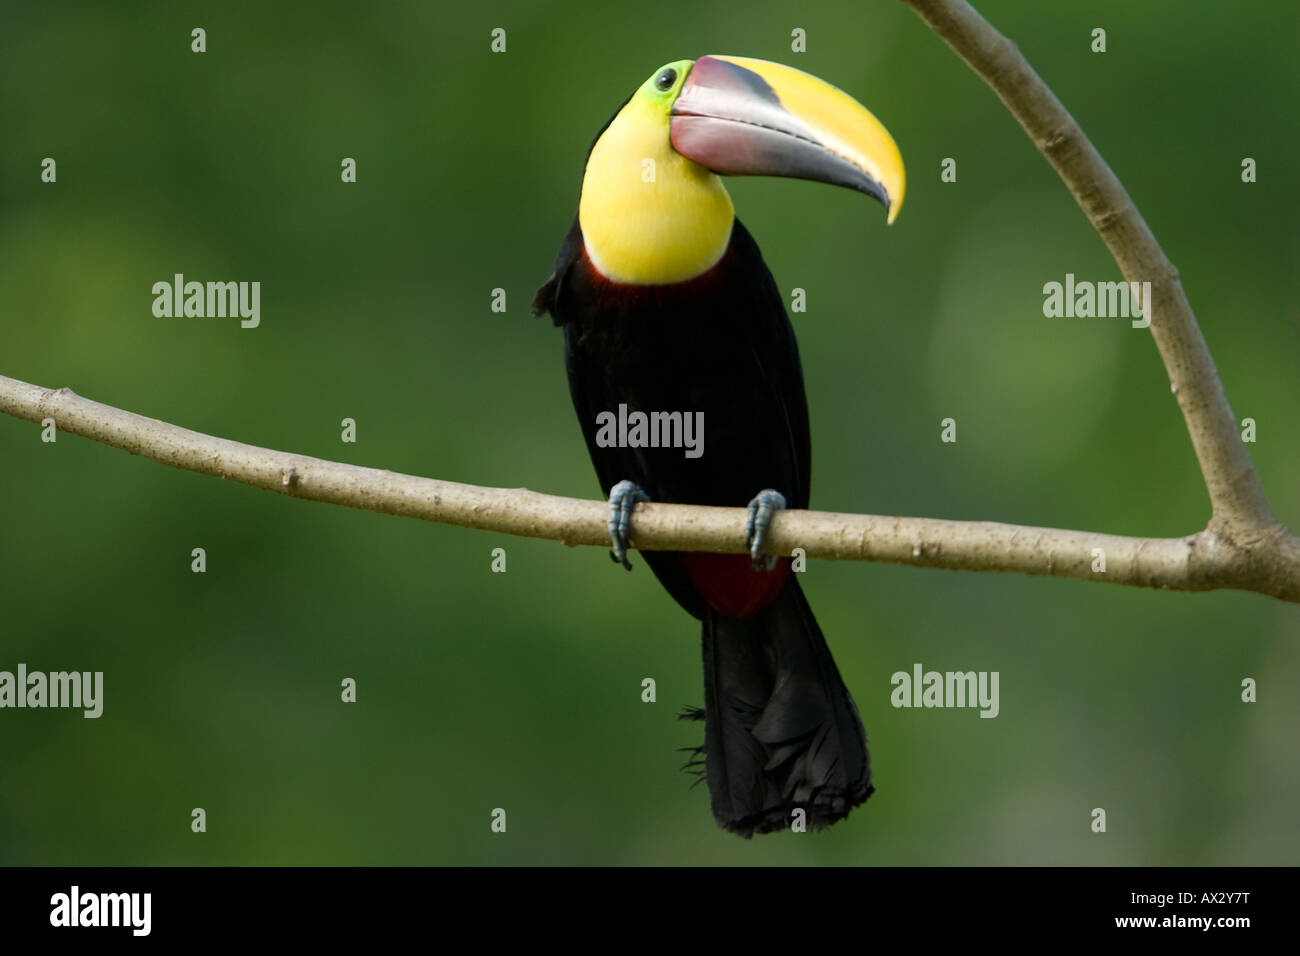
<point>781,730</point>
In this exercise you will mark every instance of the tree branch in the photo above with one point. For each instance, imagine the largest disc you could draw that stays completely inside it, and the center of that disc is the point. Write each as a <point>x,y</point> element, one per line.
<point>1239,509</point>
<point>1196,563</point>
<point>1243,547</point>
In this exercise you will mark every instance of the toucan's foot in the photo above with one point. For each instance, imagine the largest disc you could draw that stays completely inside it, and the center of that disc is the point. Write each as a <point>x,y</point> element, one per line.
<point>761,511</point>
<point>622,499</point>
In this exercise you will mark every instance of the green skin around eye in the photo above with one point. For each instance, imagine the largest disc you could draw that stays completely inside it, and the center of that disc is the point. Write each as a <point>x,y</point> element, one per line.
<point>664,99</point>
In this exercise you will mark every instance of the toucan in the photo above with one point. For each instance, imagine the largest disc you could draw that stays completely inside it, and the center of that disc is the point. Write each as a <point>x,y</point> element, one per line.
<point>669,313</point>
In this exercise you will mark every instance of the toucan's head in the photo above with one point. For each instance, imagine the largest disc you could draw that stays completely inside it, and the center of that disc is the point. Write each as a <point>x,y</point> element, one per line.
<point>653,209</point>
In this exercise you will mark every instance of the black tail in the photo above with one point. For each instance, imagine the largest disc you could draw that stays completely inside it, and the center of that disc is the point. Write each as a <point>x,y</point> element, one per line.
<point>781,731</point>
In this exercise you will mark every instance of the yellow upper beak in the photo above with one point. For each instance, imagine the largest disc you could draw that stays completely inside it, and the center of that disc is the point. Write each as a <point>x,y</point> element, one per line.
<point>741,116</point>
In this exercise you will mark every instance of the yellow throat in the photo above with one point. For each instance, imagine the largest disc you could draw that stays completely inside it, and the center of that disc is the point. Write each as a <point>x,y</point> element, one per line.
<point>649,215</point>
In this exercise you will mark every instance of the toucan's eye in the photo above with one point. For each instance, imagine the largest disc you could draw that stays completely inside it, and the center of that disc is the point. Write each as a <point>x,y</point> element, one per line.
<point>665,80</point>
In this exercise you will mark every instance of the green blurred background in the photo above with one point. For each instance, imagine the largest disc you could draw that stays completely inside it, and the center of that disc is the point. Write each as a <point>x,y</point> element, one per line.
<point>522,690</point>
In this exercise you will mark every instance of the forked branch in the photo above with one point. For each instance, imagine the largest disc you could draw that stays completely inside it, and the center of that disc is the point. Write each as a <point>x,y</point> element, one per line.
<point>1195,563</point>
<point>1243,547</point>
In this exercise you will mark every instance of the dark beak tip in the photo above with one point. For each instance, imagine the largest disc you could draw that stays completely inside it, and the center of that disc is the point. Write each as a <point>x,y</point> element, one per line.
<point>730,120</point>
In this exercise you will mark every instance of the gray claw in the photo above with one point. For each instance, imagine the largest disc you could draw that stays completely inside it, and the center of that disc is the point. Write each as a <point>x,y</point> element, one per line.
<point>623,497</point>
<point>761,511</point>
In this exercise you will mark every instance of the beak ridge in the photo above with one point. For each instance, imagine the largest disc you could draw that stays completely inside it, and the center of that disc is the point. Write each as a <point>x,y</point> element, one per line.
<point>744,117</point>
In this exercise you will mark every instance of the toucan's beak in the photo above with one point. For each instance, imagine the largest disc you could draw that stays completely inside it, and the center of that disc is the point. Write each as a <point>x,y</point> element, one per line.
<point>744,117</point>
